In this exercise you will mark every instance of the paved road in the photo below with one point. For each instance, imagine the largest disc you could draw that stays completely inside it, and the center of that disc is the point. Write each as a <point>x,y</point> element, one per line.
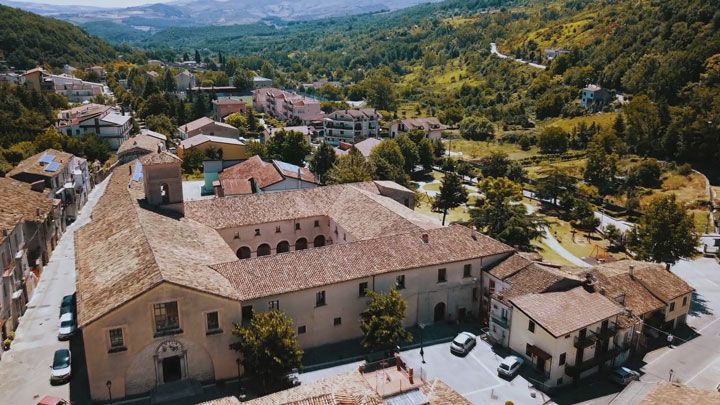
<point>494,51</point>
<point>553,244</point>
<point>696,362</point>
<point>25,369</point>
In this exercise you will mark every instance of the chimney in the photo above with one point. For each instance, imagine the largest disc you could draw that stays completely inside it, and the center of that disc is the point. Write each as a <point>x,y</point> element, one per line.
<point>589,283</point>
<point>425,238</point>
<point>159,148</point>
<point>474,232</point>
<point>632,272</point>
<point>253,185</point>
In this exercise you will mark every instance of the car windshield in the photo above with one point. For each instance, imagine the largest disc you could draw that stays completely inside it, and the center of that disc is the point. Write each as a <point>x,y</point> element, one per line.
<point>61,360</point>
<point>504,367</point>
<point>66,324</point>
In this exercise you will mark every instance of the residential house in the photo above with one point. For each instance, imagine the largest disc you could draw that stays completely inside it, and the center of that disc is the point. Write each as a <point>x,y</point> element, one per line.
<point>229,148</point>
<point>155,63</point>
<point>552,53</point>
<point>207,126</point>
<point>99,71</point>
<point>257,176</point>
<point>163,310</point>
<point>109,124</point>
<point>76,90</point>
<point>64,175</point>
<point>318,84</point>
<point>351,126</point>
<point>365,147</point>
<point>430,126</point>
<point>185,81</point>
<point>222,107</point>
<point>27,236</point>
<point>139,145</point>
<point>287,106</point>
<point>306,131</point>
<point>261,82</point>
<point>152,75</point>
<point>594,97</point>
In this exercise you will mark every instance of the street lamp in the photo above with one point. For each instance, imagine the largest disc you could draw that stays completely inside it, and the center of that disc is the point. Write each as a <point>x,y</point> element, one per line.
<point>671,374</point>
<point>422,351</point>
<point>109,386</point>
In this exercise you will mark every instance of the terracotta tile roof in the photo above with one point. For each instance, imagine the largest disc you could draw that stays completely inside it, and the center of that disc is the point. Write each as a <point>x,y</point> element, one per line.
<point>366,146</point>
<point>425,123</point>
<point>228,101</point>
<point>349,386</point>
<point>566,311</point>
<point>628,292</point>
<point>536,278</point>
<point>662,283</point>
<point>18,202</point>
<point>202,138</point>
<point>159,159</point>
<point>201,123</point>
<point>665,393</point>
<point>509,266</point>
<point>291,170</point>
<point>140,143</point>
<point>362,213</point>
<point>439,393</point>
<point>127,249</point>
<point>222,401</point>
<point>32,166</point>
<point>272,275</point>
<point>264,173</point>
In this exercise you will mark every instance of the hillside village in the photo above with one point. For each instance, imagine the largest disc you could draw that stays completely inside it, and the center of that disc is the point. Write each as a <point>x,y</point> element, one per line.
<point>197,226</point>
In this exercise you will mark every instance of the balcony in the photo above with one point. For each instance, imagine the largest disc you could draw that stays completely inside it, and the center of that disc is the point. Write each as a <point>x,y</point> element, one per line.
<point>500,321</point>
<point>607,333</point>
<point>587,341</point>
<point>575,370</point>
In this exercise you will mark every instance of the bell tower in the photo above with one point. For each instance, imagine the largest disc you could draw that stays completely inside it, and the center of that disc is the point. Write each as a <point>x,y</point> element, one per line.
<point>162,179</point>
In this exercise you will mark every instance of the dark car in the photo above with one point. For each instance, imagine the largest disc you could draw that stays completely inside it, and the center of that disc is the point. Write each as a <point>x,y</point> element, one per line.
<point>67,304</point>
<point>60,369</point>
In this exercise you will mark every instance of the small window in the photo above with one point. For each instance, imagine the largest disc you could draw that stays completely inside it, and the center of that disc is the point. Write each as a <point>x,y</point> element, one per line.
<point>237,235</point>
<point>467,271</point>
<point>527,349</point>
<point>297,226</point>
<point>166,317</point>
<point>257,232</point>
<point>317,223</point>
<point>320,298</point>
<point>246,314</point>
<point>274,304</point>
<point>442,275</point>
<point>672,306</point>
<point>277,230</point>
<point>301,330</point>
<point>531,326</point>
<point>362,289</point>
<point>212,321</point>
<point>684,301</point>
<point>475,294</point>
<point>116,339</point>
<point>562,359</point>
<point>400,282</point>
<point>337,321</point>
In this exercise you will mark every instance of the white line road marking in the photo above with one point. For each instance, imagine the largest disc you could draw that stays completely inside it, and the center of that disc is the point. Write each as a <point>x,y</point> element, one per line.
<point>703,370</point>
<point>485,367</point>
<point>481,390</point>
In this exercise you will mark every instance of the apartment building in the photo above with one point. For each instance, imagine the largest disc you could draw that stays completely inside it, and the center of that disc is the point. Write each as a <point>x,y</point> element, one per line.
<point>351,126</point>
<point>287,106</point>
<point>162,281</point>
<point>109,124</point>
<point>430,126</point>
<point>74,89</point>
<point>222,107</point>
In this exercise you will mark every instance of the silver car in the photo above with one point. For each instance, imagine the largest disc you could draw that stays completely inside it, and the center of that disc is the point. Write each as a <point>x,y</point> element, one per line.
<point>67,326</point>
<point>510,366</point>
<point>623,375</point>
<point>463,343</point>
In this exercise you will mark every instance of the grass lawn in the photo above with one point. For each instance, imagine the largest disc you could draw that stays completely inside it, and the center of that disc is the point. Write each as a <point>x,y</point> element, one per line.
<point>702,220</point>
<point>548,255</point>
<point>432,187</point>
<point>572,167</point>
<point>478,149</point>
<point>603,119</point>
<point>461,214</point>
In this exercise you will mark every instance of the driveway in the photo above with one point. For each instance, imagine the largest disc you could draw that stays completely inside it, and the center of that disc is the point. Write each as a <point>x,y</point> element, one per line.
<point>473,376</point>
<point>25,368</point>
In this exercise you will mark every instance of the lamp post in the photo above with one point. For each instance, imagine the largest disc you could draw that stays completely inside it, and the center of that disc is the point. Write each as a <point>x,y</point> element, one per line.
<point>671,374</point>
<point>109,386</point>
<point>422,351</point>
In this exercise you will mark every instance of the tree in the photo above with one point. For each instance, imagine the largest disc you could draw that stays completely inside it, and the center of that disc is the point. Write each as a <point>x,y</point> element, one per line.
<point>269,347</point>
<point>290,147</point>
<point>452,194</point>
<point>169,81</point>
<point>322,160</point>
<point>477,128</point>
<point>192,160</point>
<point>50,139</point>
<point>251,120</point>
<point>237,120</point>
<point>198,59</point>
<point>426,154</point>
<point>160,123</point>
<point>380,90</point>
<point>601,169</point>
<point>555,185</point>
<point>438,148</point>
<point>382,321</point>
<point>645,174</point>
<point>500,214</point>
<point>409,151</point>
<point>553,140</point>
<point>643,125</point>
<point>243,80</point>
<point>498,164</point>
<point>615,236</point>
<point>664,233</point>
<point>350,168</point>
<point>388,162</point>
<point>253,148</point>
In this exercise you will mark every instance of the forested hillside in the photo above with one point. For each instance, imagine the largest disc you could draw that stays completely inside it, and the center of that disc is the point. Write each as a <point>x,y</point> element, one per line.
<point>27,40</point>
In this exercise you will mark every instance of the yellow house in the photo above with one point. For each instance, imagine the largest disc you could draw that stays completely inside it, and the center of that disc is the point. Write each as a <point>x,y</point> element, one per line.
<point>232,149</point>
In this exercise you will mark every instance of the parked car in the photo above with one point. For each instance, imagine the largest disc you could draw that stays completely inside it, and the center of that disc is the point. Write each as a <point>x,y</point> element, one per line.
<point>67,326</point>
<point>463,343</point>
<point>60,369</point>
<point>50,400</point>
<point>623,375</point>
<point>510,366</point>
<point>67,304</point>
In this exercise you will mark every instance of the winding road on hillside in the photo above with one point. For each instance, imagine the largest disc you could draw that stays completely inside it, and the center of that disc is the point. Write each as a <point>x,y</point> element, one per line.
<point>494,51</point>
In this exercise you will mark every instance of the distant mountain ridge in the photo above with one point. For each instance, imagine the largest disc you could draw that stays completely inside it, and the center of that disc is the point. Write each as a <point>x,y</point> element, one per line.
<point>183,13</point>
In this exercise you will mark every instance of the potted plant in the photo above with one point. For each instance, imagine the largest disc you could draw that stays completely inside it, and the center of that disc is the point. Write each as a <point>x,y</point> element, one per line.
<point>11,335</point>
<point>6,344</point>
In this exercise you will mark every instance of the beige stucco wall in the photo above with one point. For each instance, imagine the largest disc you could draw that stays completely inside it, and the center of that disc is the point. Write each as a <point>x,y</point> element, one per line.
<point>134,370</point>
<point>520,336</point>
<point>679,310</point>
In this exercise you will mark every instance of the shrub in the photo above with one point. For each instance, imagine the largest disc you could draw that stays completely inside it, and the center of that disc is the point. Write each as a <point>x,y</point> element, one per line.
<point>684,169</point>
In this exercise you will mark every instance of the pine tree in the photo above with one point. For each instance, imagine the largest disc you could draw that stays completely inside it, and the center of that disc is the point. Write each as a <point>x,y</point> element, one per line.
<point>198,59</point>
<point>322,161</point>
<point>452,194</point>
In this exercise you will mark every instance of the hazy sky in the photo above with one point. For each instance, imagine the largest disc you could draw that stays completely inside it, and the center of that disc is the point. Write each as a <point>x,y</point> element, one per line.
<point>98,3</point>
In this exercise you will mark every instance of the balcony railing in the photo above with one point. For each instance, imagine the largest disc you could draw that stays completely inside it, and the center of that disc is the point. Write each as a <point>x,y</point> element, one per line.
<point>587,341</point>
<point>574,370</point>
<point>604,334</point>
<point>500,321</point>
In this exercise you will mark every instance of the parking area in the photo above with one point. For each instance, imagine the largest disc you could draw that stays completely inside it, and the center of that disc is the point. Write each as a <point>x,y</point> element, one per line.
<point>474,376</point>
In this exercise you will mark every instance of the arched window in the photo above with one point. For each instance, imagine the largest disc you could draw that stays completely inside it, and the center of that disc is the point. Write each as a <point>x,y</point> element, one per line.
<point>301,244</point>
<point>244,253</point>
<point>263,250</point>
<point>319,241</point>
<point>165,193</point>
<point>282,247</point>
